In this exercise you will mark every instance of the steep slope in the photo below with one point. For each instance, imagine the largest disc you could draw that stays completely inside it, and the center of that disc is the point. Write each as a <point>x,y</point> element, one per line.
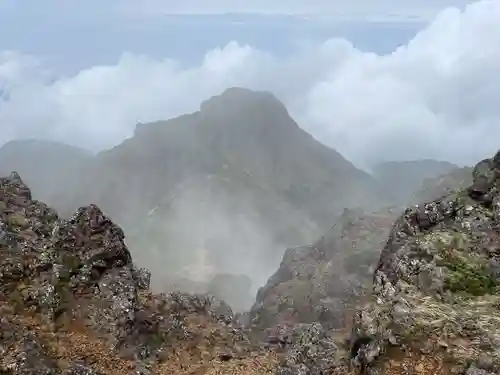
<point>238,178</point>
<point>46,165</point>
<point>436,287</point>
<point>400,178</point>
<point>323,282</point>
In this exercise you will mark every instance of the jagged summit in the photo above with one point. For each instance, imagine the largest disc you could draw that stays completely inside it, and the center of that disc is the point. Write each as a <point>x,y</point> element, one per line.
<point>241,95</point>
<point>238,99</point>
<point>231,106</point>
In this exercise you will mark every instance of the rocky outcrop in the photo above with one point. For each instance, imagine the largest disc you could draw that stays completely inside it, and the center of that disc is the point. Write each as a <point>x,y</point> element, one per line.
<point>308,349</point>
<point>317,283</point>
<point>72,302</point>
<point>436,287</point>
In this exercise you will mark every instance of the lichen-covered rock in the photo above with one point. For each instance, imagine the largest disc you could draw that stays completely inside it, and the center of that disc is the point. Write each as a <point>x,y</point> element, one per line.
<point>436,296</point>
<point>72,302</point>
<point>23,353</point>
<point>79,369</point>
<point>309,350</point>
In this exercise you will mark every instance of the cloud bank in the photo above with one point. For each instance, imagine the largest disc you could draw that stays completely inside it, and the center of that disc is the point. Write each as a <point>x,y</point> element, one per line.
<point>435,97</point>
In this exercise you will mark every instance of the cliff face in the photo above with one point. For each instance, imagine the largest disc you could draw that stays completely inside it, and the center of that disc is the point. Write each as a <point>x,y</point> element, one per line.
<point>436,287</point>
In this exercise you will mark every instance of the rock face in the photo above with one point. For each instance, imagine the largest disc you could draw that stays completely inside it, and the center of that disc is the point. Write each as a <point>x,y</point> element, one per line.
<point>436,287</point>
<point>72,302</point>
<point>318,283</point>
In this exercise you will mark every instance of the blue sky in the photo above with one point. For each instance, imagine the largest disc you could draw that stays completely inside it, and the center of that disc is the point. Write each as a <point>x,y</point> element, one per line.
<point>376,80</point>
<point>72,38</point>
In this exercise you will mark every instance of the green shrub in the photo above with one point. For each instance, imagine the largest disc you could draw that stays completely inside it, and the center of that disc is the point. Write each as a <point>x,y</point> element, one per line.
<point>467,275</point>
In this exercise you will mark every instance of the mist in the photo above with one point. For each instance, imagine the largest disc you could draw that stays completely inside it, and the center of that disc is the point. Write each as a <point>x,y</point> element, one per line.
<point>201,232</point>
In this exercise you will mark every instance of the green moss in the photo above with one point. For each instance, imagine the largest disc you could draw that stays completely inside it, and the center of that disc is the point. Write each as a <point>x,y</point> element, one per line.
<point>465,274</point>
<point>18,220</point>
<point>157,339</point>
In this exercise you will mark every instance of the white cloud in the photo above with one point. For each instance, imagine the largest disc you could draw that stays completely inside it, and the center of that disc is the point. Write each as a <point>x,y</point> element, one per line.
<point>436,97</point>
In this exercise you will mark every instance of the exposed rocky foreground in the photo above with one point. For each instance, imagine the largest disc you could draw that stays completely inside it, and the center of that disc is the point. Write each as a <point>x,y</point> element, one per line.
<point>435,308</point>
<point>72,302</point>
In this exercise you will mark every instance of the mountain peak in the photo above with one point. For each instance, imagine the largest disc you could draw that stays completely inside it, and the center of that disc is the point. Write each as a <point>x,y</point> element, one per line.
<point>241,99</point>
<point>235,105</point>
